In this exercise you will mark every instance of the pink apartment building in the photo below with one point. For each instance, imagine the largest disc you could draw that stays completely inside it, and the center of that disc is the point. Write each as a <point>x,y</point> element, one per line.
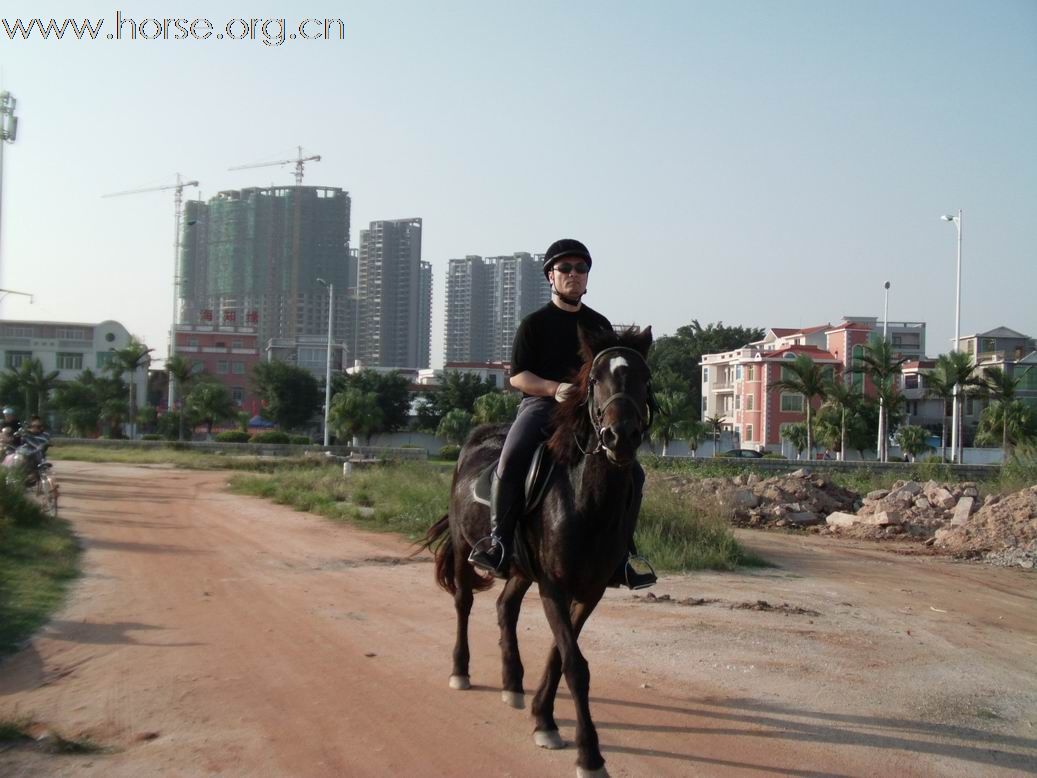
<point>737,384</point>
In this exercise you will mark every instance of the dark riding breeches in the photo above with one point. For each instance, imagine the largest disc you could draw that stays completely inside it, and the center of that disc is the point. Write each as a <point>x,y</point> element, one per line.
<point>529,430</point>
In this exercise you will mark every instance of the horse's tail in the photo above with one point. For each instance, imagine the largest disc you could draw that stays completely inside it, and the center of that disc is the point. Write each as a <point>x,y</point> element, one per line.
<point>439,541</point>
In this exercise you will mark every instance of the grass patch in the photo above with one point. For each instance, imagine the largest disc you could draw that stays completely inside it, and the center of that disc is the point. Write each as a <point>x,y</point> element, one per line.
<point>408,497</point>
<point>14,731</point>
<point>17,731</point>
<point>188,460</point>
<point>39,558</point>
<point>677,533</point>
<point>405,497</point>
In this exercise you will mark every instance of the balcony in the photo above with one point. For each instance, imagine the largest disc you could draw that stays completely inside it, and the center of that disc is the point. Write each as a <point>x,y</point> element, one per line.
<point>723,386</point>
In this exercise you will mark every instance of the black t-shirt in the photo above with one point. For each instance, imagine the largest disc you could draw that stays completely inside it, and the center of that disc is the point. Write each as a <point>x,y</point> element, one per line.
<point>547,343</point>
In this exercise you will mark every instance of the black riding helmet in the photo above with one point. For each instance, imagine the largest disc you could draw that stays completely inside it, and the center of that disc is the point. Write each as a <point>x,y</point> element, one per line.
<point>566,247</point>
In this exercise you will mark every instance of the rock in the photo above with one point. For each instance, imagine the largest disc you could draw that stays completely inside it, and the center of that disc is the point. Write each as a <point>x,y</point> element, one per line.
<point>883,519</point>
<point>970,491</point>
<point>752,480</point>
<point>803,472</point>
<point>942,535</point>
<point>840,519</point>
<point>911,487</point>
<point>878,494</point>
<point>962,511</point>
<point>804,519</point>
<point>922,504</point>
<point>942,498</point>
<point>990,499</point>
<point>744,498</point>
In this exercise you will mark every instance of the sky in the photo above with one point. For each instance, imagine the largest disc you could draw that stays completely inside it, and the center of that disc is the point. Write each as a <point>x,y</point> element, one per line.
<point>756,163</point>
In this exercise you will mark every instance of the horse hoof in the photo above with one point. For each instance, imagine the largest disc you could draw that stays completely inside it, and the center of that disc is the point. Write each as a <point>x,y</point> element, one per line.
<point>460,682</point>
<point>601,772</point>
<point>549,739</point>
<point>516,700</point>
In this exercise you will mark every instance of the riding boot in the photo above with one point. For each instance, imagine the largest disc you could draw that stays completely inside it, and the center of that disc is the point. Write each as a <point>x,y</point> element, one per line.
<point>627,574</point>
<point>493,554</point>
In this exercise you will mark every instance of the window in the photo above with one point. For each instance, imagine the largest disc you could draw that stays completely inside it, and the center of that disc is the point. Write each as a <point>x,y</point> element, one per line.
<point>705,375</point>
<point>911,381</point>
<point>828,372</point>
<point>750,402</point>
<point>857,379</point>
<point>237,394</point>
<point>791,403</point>
<point>749,432</point>
<point>235,344</point>
<point>14,359</point>
<point>19,331</point>
<point>70,333</point>
<point>104,358</point>
<point>222,366</point>
<point>238,368</point>
<point>750,372</point>
<point>738,372</point>
<point>786,374</point>
<point>69,361</point>
<point>192,342</point>
<point>738,402</point>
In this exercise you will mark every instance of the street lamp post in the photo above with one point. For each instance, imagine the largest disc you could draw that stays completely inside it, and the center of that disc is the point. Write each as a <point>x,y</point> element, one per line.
<point>882,441</point>
<point>955,411</point>
<point>327,375</point>
<point>8,133</point>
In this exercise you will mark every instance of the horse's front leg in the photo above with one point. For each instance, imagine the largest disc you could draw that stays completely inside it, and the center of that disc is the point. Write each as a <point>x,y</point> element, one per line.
<point>463,599</point>
<point>567,659</point>
<point>508,606</point>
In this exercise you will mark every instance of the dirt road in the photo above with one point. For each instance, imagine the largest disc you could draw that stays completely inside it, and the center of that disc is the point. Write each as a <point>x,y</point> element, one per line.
<point>220,635</point>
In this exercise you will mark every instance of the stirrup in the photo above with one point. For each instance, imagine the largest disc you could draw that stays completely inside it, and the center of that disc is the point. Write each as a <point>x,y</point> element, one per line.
<point>480,557</point>
<point>636,580</point>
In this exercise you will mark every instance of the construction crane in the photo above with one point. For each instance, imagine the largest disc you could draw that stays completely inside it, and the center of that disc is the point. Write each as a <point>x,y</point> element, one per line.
<point>178,197</point>
<point>299,162</point>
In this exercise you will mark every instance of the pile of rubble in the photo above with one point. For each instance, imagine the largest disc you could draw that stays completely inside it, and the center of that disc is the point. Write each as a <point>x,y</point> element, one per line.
<point>909,509</point>
<point>799,499</point>
<point>1003,531</point>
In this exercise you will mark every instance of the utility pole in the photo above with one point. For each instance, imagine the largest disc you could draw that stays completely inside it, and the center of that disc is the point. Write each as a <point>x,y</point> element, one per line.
<point>8,133</point>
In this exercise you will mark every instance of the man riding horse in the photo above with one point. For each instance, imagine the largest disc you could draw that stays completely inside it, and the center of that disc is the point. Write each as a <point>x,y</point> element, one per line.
<point>545,355</point>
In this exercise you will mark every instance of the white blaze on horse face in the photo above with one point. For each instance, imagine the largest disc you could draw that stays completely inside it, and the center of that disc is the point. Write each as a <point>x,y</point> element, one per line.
<point>617,362</point>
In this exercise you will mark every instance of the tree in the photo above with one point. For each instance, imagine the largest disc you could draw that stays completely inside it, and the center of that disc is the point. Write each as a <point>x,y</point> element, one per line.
<point>798,437</point>
<point>959,369</point>
<point>29,386</point>
<point>210,402</point>
<point>845,401</point>
<point>805,377</point>
<point>355,412</point>
<point>290,394</point>
<point>1002,388</point>
<point>881,365</point>
<point>674,411</point>
<point>127,360</point>
<point>1008,422</point>
<point>940,386</point>
<point>457,391</point>
<point>89,401</point>
<point>693,433</point>
<point>455,426</point>
<point>715,425</point>
<point>674,359</point>
<point>913,440</point>
<point>496,408</point>
<point>181,374</point>
<point>391,389</point>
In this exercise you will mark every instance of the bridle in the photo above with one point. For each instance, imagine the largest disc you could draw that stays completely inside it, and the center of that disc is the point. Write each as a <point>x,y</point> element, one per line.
<point>597,412</point>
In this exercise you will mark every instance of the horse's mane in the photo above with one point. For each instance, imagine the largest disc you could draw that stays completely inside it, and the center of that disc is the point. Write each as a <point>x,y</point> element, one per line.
<point>571,419</point>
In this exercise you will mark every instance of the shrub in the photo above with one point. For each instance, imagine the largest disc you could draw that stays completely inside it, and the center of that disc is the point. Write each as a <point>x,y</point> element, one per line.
<point>449,452</point>
<point>151,436</point>
<point>300,440</point>
<point>270,436</point>
<point>231,436</point>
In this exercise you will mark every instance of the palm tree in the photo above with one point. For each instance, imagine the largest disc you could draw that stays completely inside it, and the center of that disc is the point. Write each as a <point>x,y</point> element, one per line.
<point>210,402</point>
<point>355,412</point>
<point>715,424</point>
<point>1002,388</point>
<point>36,384</point>
<point>692,431</point>
<point>842,398</point>
<point>938,385</point>
<point>880,363</point>
<point>807,378</point>
<point>126,360</point>
<point>673,412</point>
<point>1013,421</point>
<point>181,372</point>
<point>960,371</point>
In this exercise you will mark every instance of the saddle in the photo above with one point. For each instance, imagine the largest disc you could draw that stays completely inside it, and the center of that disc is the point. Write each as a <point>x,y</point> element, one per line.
<point>537,478</point>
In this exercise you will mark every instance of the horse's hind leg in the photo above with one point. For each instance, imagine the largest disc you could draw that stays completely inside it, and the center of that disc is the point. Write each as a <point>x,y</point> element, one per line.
<point>463,599</point>
<point>508,605</point>
<point>566,657</point>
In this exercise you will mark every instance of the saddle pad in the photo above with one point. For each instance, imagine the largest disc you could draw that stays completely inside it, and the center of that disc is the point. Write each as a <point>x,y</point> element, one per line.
<point>537,477</point>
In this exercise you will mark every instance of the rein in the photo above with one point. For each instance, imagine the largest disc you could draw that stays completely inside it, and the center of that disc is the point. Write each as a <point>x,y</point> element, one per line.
<point>597,413</point>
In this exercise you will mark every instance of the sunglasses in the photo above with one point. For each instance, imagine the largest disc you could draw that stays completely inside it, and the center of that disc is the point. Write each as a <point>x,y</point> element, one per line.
<point>565,268</point>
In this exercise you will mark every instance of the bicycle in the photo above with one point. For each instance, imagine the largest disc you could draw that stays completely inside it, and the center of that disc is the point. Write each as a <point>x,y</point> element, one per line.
<point>27,465</point>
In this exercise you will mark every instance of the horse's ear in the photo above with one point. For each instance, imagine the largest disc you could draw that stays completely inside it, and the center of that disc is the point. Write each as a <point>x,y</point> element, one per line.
<point>643,341</point>
<point>590,343</point>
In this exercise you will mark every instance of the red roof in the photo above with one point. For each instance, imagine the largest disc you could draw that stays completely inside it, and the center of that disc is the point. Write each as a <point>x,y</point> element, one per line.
<point>812,330</point>
<point>811,351</point>
<point>850,325</point>
<point>781,332</point>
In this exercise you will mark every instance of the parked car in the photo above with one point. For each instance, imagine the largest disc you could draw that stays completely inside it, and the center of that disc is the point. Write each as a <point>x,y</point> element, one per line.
<point>743,453</point>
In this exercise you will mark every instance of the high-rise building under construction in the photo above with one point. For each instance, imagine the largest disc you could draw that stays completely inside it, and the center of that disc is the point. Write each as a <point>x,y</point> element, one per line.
<point>253,256</point>
<point>486,300</point>
<point>394,291</point>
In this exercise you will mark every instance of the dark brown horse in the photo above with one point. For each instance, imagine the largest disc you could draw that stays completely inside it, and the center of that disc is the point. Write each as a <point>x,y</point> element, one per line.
<point>571,544</point>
